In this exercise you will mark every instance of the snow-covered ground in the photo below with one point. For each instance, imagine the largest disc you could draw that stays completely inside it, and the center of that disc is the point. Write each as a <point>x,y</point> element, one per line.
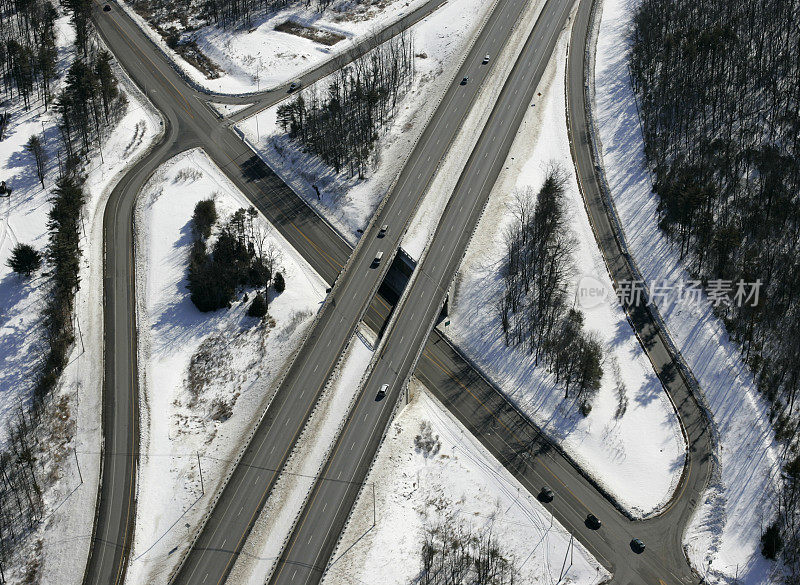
<point>638,456</point>
<point>456,479</point>
<point>348,203</point>
<point>256,56</point>
<point>726,530</point>
<point>276,521</point>
<point>237,359</point>
<point>66,531</point>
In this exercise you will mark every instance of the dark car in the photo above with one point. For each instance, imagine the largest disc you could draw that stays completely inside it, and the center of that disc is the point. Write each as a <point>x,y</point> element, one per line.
<point>294,86</point>
<point>593,522</point>
<point>106,8</point>
<point>464,81</point>
<point>546,495</point>
<point>637,546</point>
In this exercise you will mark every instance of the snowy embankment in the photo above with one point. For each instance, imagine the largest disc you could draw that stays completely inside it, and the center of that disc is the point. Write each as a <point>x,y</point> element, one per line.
<point>275,523</point>
<point>70,492</point>
<point>453,477</point>
<point>631,441</point>
<point>348,203</point>
<point>256,56</point>
<point>193,365</point>
<point>723,539</point>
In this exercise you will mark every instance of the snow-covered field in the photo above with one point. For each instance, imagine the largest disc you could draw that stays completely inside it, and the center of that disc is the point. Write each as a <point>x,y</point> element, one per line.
<point>256,56</point>
<point>726,530</point>
<point>237,360</point>
<point>66,531</point>
<point>275,523</point>
<point>457,479</point>
<point>348,203</point>
<point>637,456</point>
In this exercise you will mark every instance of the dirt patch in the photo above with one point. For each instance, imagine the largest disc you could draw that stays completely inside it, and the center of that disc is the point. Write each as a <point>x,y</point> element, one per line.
<point>312,33</point>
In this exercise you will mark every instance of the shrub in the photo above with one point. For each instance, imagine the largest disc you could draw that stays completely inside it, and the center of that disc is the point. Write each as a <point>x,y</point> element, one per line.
<point>204,218</point>
<point>279,283</point>
<point>258,308</point>
<point>25,259</point>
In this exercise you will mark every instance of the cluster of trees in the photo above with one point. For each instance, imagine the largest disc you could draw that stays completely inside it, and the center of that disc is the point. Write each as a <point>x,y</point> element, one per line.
<point>87,105</point>
<point>534,305</point>
<point>28,52</point>
<point>454,554</point>
<point>20,489</point>
<point>237,12</point>
<point>718,84</point>
<point>241,256</point>
<point>342,126</point>
<point>89,102</point>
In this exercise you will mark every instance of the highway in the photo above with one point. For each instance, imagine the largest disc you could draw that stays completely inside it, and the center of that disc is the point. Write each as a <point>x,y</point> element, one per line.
<point>518,445</point>
<point>189,123</point>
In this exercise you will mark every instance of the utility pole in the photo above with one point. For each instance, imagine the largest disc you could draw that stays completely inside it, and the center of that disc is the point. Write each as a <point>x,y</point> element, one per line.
<point>566,554</point>
<point>374,514</point>
<point>202,488</point>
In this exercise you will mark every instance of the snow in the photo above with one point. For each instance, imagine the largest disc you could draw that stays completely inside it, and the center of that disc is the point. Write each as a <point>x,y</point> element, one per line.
<point>726,530</point>
<point>65,534</point>
<point>246,357</point>
<point>413,489</point>
<point>275,523</point>
<point>349,203</point>
<point>256,56</point>
<point>637,457</point>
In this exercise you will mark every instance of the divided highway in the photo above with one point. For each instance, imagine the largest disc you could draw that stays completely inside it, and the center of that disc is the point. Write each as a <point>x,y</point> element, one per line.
<point>499,426</point>
<point>508,434</point>
<point>221,539</point>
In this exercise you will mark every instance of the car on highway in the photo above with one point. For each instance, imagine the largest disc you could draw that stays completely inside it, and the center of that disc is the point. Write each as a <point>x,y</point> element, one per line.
<point>382,392</point>
<point>593,522</point>
<point>486,59</point>
<point>294,86</point>
<point>546,495</point>
<point>383,230</point>
<point>637,546</point>
<point>106,8</point>
<point>464,81</point>
<point>377,259</point>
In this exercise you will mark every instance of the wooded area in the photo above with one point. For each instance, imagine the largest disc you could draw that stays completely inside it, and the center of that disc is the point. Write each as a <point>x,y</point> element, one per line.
<point>454,554</point>
<point>343,125</point>
<point>718,84</point>
<point>241,256</point>
<point>534,306</point>
<point>88,104</point>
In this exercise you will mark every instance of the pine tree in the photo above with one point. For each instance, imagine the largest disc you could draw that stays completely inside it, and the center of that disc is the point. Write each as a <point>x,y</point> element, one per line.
<point>24,260</point>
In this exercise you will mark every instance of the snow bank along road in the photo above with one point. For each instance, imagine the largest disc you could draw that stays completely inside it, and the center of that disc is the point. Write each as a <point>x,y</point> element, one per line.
<point>190,122</point>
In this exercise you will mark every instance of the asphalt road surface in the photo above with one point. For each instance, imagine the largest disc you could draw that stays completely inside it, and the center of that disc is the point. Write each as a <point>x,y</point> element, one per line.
<point>191,123</point>
<point>485,413</point>
<point>212,556</point>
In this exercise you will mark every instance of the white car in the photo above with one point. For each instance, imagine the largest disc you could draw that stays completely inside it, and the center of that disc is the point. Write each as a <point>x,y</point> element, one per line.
<point>486,59</point>
<point>382,391</point>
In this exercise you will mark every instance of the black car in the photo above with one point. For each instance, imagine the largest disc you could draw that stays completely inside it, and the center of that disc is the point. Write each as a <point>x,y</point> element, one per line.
<point>546,495</point>
<point>464,81</point>
<point>593,522</point>
<point>637,546</point>
<point>106,8</point>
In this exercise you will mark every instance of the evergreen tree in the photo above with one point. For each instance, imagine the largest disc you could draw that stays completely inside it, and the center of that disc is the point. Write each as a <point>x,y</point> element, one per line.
<point>24,260</point>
